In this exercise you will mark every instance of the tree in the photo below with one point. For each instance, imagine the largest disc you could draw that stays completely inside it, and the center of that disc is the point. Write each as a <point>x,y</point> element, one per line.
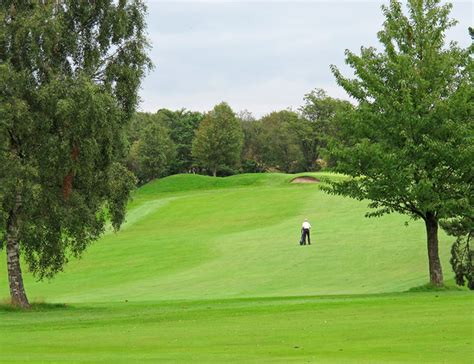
<point>218,140</point>
<point>251,148</point>
<point>137,125</point>
<point>182,125</point>
<point>462,252</point>
<point>69,76</point>
<point>318,124</point>
<point>155,152</point>
<point>279,143</point>
<point>151,150</point>
<point>460,223</point>
<point>410,138</point>
<point>170,138</point>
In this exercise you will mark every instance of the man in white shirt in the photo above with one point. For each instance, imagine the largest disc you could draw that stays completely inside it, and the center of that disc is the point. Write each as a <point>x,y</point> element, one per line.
<point>305,228</point>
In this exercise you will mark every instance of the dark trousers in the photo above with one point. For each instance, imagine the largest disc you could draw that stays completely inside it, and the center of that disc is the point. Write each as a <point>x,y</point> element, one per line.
<point>304,234</point>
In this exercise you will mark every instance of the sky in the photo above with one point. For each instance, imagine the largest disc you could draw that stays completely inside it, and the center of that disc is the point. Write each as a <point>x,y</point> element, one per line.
<point>259,56</point>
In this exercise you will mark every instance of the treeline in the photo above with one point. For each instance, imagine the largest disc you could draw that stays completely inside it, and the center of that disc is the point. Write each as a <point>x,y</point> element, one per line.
<point>222,142</point>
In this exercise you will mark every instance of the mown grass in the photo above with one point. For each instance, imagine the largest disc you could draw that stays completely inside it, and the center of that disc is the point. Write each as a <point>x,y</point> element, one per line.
<point>408,327</point>
<point>242,241</point>
<point>210,270</point>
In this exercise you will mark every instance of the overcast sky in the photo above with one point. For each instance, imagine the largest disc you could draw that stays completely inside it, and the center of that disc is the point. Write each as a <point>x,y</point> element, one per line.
<point>258,55</point>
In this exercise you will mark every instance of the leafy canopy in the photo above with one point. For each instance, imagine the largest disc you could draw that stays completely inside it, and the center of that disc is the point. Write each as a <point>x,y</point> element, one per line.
<point>318,124</point>
<point>218,141</point>
<point>408,145</point>
<point>69,76</point>
<point>279,144</point>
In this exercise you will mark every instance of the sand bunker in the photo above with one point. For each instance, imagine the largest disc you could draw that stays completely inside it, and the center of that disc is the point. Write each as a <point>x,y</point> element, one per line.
<point>305,179</point>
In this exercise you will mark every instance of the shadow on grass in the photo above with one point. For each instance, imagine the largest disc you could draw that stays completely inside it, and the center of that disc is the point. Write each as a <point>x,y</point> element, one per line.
<point>34,307</point>
<point>428,287</point>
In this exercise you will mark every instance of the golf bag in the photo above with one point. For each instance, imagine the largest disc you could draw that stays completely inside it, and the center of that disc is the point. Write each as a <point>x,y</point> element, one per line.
<point>302,237</point>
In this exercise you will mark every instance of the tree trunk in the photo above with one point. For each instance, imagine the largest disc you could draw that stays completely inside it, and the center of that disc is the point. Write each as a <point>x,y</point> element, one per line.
<point>214,172</point>
<point>436,273</point>
<point>15,279</point>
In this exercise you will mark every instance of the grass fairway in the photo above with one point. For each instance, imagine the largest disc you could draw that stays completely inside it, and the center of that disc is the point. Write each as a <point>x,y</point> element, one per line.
<point>415,327</point>
<point>210,270</point>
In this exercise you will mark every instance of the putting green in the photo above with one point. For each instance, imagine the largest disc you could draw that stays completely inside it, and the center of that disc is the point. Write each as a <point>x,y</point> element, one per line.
<point>210,269</point>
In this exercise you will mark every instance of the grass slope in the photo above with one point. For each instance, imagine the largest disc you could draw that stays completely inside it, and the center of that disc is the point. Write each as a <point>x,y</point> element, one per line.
<point>194,237</point>
<point>210,270</point>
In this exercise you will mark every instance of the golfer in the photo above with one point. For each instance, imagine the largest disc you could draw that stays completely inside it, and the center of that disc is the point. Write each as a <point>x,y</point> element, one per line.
<point>305,228</point>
